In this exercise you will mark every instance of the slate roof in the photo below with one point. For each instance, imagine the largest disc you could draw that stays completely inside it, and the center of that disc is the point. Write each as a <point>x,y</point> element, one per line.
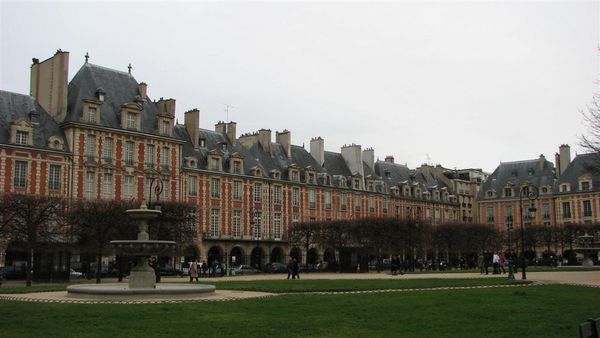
<point>120,88</point>
<point>584,164</point>
<point>517,172</point>
<point>392,173</point>
<point>14,106</point>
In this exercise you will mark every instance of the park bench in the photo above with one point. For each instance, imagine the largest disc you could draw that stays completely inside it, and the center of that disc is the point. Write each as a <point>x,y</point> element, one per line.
<point>589,328</point>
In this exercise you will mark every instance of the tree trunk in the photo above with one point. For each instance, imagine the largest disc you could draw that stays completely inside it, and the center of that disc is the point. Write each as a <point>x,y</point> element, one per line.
<point>98,267</point>
<point>29,272</point>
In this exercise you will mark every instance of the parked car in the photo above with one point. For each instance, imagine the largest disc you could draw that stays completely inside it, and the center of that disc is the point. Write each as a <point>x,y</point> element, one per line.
<point>168,270</point>
<point>12,272</point>
<point>76,274</point>
<point>275,267</point>
<point>245,270</point>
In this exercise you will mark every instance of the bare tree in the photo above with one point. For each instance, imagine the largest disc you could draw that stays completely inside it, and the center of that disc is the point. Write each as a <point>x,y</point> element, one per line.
<point>32,221</point>
<point>96,223</point>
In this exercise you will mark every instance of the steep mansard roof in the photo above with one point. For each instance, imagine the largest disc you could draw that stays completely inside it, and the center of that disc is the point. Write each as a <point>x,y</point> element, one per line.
<point>538,172</point>
<point>120,88</point>
<point>584,165</point>
<point>17,106</point>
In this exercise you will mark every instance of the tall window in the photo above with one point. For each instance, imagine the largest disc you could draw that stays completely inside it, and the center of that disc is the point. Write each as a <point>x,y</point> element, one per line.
<point>90,147</point>
<point>192,184</point>
<point>277,225</point>
<point>371,204</point>
<point>215,188</point>
<point>131,121</point>
<point>236,223</point>
<point>384,205</point>
<point>257,225</point>
<point>129,153</point>
<point>277,194</point>
<point>164,157</point>
<point>296,197</point>
<point>90,185</point>
<point>166,193</point>
<point>357,203</point>
<point>20,180</point>
<point>490,215</point>
<point>507,192</point>
<point>312,199</point>
<point>21,137</point>
<point>509,214</point>
<point>214,223</point>
<point>587,208</point>
<point>566,206</point>
<point>328,200</point>
<point>257,192</point>
<point>107,189</point>
<point>149,154</point>
<point>295,176</point>
<point>237,190</point>
<point>108,150</point>
<point>128,187</point>
<point>546,211</point>
<point>54,178</point>
<point>344,202</point>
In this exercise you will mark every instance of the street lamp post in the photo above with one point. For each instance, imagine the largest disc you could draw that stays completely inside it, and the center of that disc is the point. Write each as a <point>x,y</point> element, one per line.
<point>531,192</point>
<point>509,229</point>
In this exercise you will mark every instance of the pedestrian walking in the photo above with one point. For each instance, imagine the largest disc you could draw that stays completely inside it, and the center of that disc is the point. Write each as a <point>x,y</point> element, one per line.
<point>194,271</point>
<point>481,263</point>
<point>295,269</point>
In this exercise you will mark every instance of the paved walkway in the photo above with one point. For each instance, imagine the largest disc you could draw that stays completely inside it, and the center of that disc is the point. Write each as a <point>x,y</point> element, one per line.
<point>584,278</point>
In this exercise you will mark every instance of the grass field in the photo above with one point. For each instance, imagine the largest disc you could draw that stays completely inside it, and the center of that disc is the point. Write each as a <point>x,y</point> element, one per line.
<point>530,311</point>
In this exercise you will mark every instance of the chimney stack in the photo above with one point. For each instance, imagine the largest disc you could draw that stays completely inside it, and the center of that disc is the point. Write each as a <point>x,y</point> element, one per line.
<point>192,124</point>
<point>564,158</point>
<point>352,155</point>
<point>142,89</point>
<point>48,84</point>
<point>542,160</point>
<point>369,157</point>
<point>285,139</point>
<point>231,132</point>
<point>317,150</point>
<point>264,139</point>
<point>389,159</point>
<point>221,127</point>
<point>166,107</point>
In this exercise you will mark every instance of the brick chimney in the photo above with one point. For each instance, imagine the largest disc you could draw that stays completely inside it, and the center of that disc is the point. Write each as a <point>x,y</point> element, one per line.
<point>317,150</point>
<point>166,107</point>
<point>143,89</point>
<point>264,139</point>
<point>192,124</point>
<point>48,84</point>
<point>369,157</point>
<point>285,139</point>
<point>389,159</point>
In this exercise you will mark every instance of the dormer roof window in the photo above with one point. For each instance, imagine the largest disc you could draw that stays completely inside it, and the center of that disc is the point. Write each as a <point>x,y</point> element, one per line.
<point>202,143</point>
<point>100,94</point>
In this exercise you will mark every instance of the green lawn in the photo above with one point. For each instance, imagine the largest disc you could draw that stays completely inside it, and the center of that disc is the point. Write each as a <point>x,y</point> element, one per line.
<point>531,311</point>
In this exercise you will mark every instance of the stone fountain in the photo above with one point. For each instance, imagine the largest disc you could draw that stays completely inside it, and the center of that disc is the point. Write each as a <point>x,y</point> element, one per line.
<point>142,279</point>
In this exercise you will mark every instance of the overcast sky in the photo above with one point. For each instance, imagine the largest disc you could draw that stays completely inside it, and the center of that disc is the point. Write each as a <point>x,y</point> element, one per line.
<point>461,84</point>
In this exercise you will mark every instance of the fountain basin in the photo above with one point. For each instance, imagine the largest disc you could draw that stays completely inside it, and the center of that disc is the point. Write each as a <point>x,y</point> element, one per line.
<point>165,290</point>
<point>144,248</point>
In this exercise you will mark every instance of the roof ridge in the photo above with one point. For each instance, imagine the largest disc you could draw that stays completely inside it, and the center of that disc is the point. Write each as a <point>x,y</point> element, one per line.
<point>108,69</point>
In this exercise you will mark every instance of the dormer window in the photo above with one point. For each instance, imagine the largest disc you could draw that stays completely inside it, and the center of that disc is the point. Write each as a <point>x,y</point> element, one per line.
<point>100,94</point>
<point>585,185</point>
<point>355,183</point>
<point>295,176</point>
<point>237,167</point>
<point>166,127</point>
<point>22,137</point>
<point>343,182</point>
<point>55,142</point>
<point>490,194</point>
<point>311,178</point>
<point>131,120</point>
<point>507,192</point>
<point>91,115</point>
<point>214,163</point>
<point>564,188</point>
<point>202,143</point>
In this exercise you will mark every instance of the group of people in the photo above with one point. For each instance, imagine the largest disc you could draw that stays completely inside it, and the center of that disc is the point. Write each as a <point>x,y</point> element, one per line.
<point>396,265</point>
<point>201,269</point>
<point>499,263</point>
